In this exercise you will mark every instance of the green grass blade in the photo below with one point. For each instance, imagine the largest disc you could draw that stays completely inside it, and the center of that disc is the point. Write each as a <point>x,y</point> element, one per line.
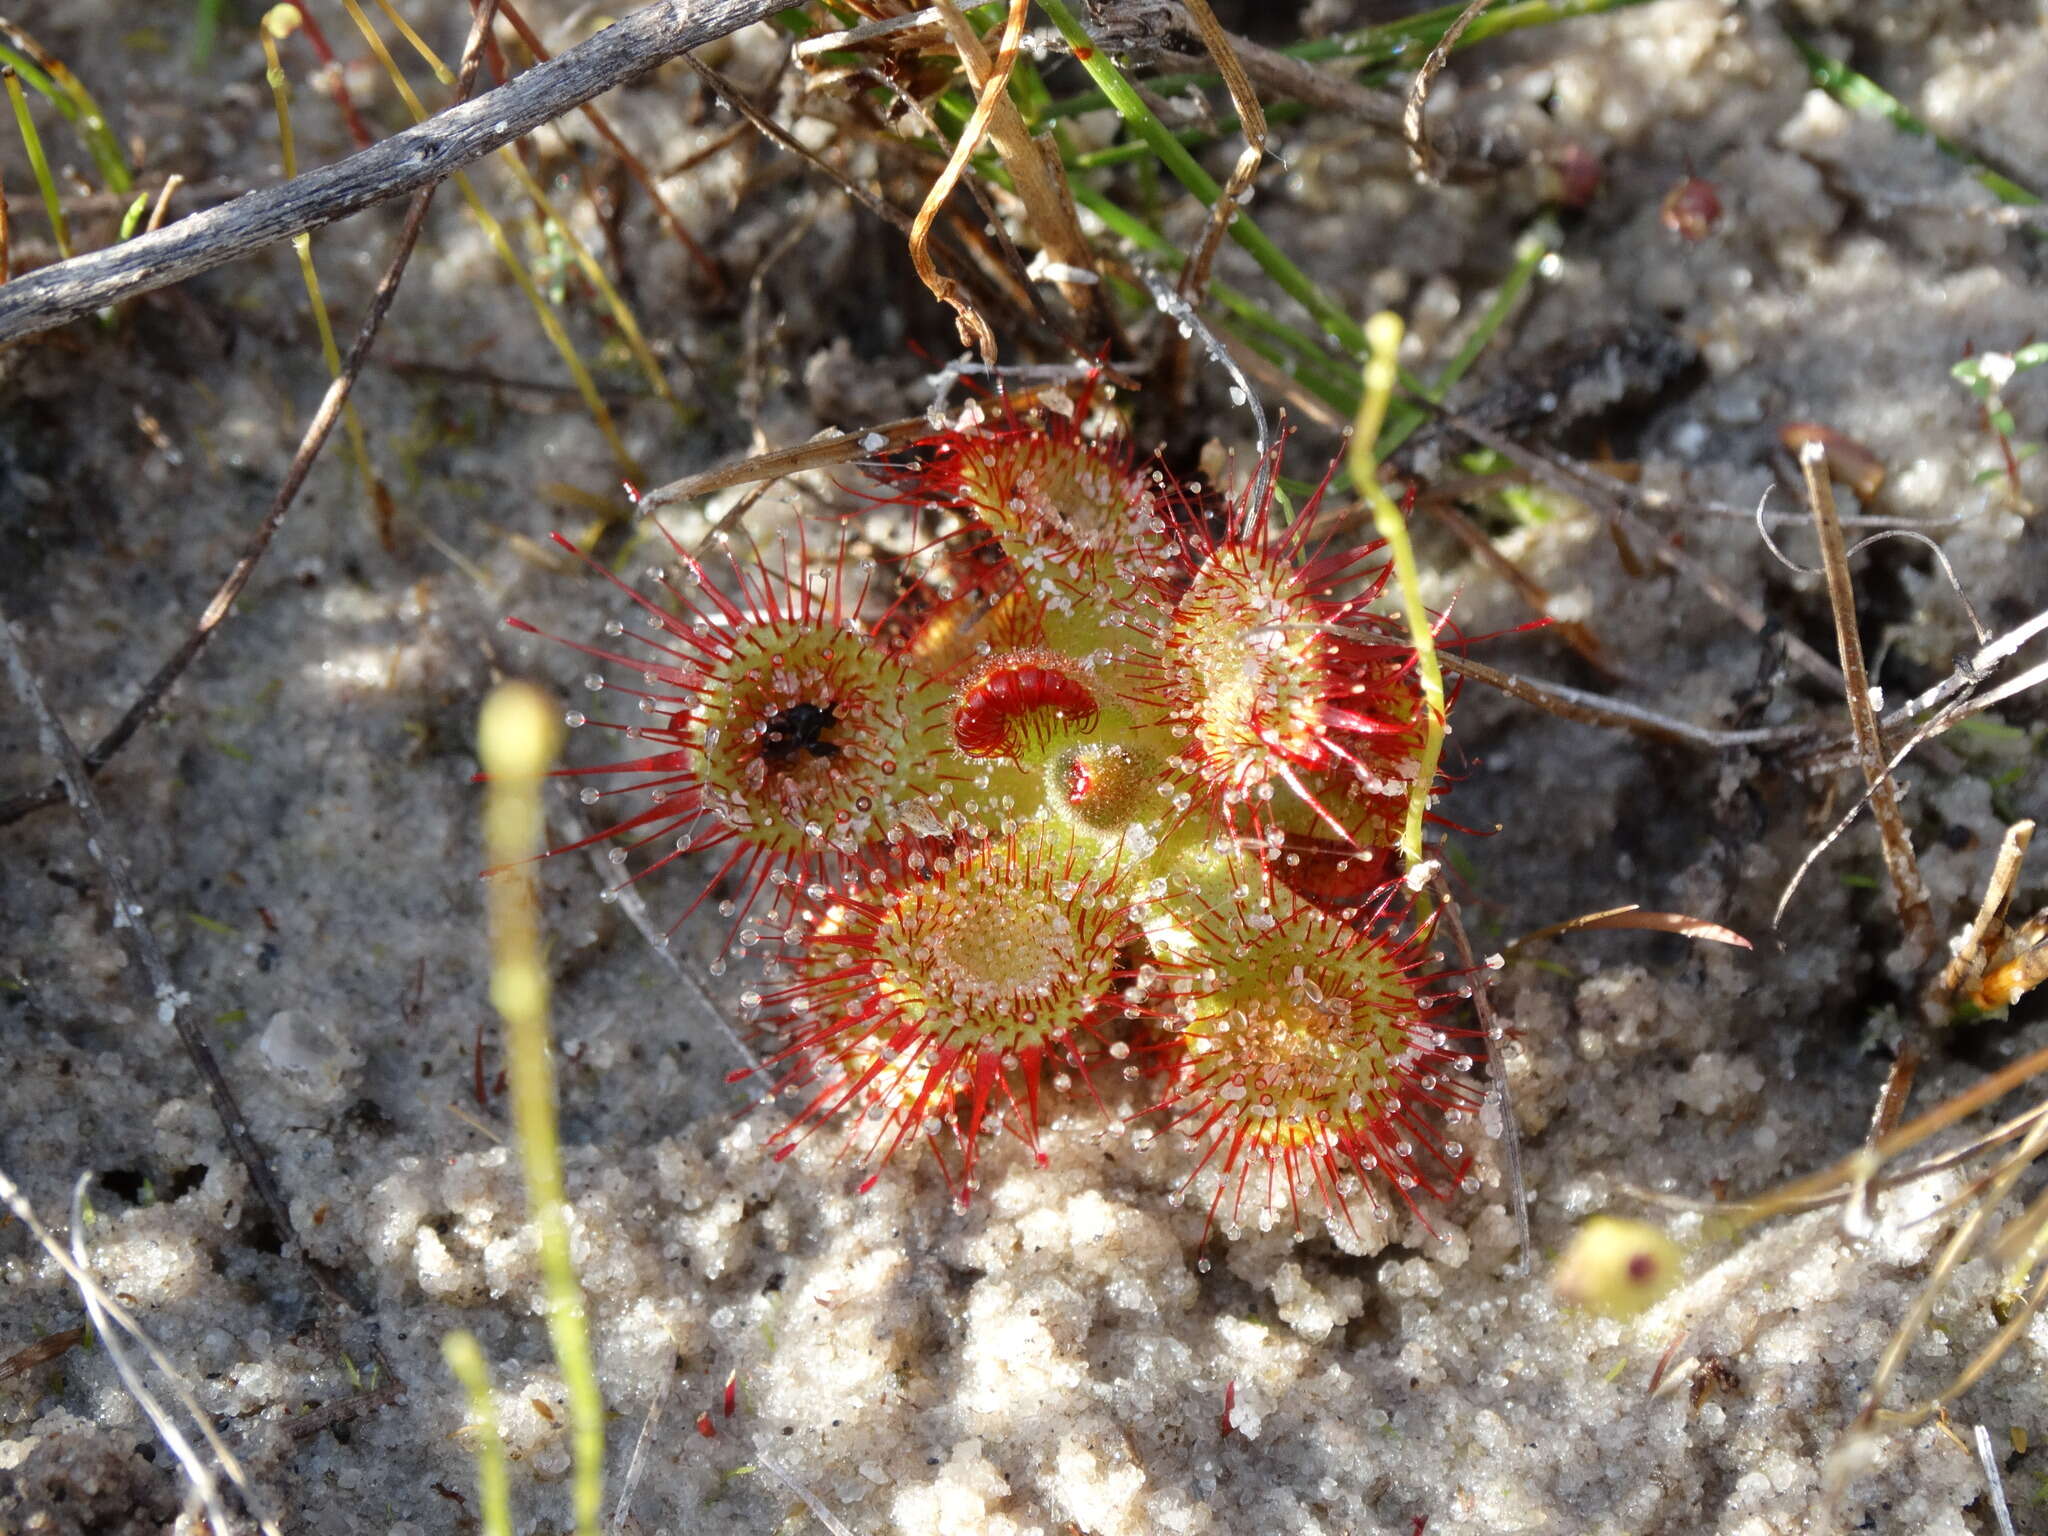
<point>131,220</point>
<point>1860,93</point>
<point>48,77</point>
<point>205,28</point>
<point>1377,47</point>
<point>1141,120</point>
<point>38,162</point>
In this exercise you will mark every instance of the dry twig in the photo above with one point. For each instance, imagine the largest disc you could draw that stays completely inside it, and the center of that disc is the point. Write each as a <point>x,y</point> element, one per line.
<point>821,452</point>
<point>1908,891</point>
<point>1569,703</point>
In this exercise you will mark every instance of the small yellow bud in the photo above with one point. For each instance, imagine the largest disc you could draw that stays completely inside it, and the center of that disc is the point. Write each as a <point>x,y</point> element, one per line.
<point>1617,1268</point>
<point>518,734</point>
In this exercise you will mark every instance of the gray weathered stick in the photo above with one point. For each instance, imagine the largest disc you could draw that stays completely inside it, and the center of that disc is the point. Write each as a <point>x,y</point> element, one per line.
<point>403,163</point>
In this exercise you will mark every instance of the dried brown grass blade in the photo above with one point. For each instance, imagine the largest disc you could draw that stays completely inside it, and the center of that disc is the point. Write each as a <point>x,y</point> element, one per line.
<point>1194,279</point>
<point>818,453</point>
<point>1909,894</point>
<point>1953,1252</point>
<point>1861,1167</point>
<point>1634,917</point>
<point>990,98</point>
<point>1422,154</point>
<point>1039,179</point>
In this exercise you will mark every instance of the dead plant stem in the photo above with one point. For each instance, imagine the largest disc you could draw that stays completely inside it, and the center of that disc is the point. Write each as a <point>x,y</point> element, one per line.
<point>1908,891</point>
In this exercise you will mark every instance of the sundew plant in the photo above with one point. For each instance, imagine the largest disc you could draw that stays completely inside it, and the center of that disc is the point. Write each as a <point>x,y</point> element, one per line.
<point>1110,779</point>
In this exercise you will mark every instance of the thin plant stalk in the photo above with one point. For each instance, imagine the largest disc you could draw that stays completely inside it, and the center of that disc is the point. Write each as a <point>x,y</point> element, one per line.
<point>281,21</point>
<point>518,738</point>
<point>465,1358</point>
<point>1383,331</point>
<point>38,162</point>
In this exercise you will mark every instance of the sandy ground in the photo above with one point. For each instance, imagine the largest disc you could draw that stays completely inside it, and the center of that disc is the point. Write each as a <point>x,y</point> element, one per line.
<point>303,832</point>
